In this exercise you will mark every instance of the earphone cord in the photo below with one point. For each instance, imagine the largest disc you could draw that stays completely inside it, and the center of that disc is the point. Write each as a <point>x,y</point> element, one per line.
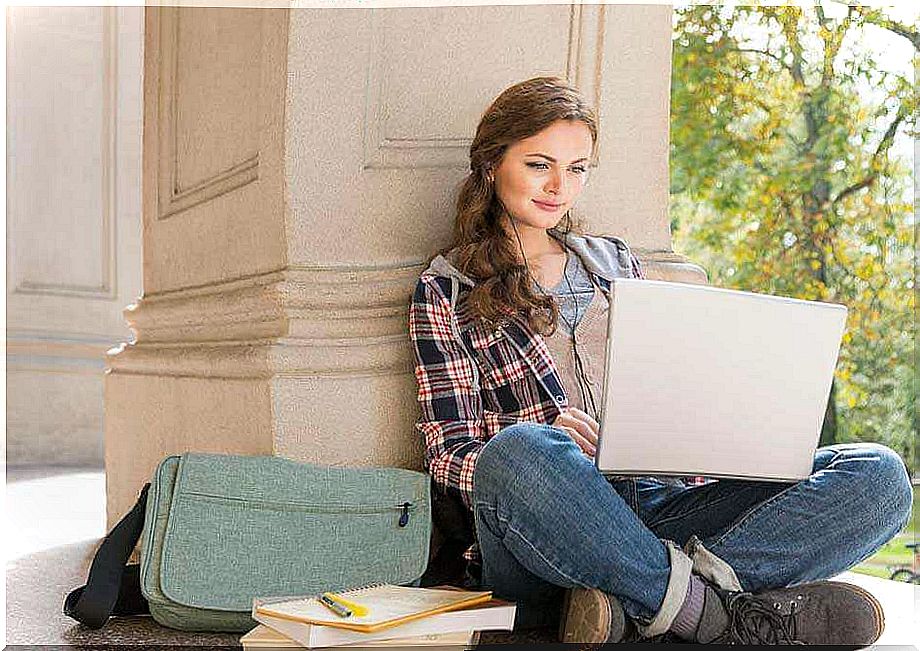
<point>584,384</point>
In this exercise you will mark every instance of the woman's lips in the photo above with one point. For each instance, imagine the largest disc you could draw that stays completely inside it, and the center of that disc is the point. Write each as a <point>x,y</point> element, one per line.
<point>548,207</point>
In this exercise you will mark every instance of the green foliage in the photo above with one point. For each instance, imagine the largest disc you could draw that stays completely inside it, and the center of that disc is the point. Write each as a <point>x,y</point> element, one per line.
<point>783,181</point>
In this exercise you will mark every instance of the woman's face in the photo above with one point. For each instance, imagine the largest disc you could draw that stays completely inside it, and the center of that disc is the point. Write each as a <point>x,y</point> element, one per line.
<point>540,177</point>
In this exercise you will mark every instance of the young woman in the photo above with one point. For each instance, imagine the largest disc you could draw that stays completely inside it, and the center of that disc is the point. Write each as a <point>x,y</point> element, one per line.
<point>508,327</point>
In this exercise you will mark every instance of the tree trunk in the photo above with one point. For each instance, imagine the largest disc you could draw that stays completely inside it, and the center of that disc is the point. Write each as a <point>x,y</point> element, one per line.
<point>829,428</point>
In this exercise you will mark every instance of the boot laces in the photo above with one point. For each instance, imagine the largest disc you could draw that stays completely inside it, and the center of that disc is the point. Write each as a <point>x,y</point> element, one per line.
<point>754,621</point>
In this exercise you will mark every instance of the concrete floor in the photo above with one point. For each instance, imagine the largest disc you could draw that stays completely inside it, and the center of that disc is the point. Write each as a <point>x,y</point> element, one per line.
<point>71,501</point>
<point>57,515</point>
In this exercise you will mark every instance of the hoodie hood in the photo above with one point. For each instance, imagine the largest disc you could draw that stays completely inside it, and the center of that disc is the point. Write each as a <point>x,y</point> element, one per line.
<point>607,257</point>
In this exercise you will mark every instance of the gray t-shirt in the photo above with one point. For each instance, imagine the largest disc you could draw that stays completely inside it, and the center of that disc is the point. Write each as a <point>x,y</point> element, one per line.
<point>572,307</point>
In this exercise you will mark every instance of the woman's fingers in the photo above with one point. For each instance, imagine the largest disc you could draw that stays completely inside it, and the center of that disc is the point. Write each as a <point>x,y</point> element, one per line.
<point>584,428</point>
<point>582,442</point>
<point>587,441</point>
<point>586,417</point>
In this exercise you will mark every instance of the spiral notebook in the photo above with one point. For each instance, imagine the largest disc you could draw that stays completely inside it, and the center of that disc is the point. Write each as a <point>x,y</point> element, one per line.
<point>387,605</point>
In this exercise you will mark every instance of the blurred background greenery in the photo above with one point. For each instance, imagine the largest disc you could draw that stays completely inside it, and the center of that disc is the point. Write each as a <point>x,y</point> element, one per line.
<point>792,132</point>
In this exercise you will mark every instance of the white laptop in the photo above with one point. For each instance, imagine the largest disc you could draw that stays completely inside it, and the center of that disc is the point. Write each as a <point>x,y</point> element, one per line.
<point>717,382</point>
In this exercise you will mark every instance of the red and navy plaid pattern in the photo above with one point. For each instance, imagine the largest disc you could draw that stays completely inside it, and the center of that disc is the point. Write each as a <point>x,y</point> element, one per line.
<point>473,382</point>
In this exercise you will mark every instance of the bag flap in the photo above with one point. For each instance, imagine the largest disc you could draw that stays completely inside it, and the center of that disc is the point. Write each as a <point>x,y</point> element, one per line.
<point>243,527</point>
<point>155,519</point>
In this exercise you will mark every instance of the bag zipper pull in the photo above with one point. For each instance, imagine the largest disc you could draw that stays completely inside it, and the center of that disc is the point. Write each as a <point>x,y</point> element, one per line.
<point>404,517</point>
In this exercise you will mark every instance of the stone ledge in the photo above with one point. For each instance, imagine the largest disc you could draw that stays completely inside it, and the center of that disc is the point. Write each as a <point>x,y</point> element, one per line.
<point>314,303</point>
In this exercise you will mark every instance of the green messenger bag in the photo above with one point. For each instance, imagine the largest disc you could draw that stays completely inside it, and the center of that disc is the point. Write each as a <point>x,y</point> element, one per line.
<point>218,530</point>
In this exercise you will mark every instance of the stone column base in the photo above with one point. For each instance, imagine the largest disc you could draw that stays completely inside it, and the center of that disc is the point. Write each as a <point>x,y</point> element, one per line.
<point>672,267</point>
<point>313,365</point>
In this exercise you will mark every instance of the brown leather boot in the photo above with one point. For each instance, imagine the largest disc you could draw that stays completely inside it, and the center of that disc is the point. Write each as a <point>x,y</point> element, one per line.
<point>591,615</point>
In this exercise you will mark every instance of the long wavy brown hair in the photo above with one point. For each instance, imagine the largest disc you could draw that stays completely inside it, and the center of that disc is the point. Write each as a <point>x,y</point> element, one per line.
<point>481,247</point>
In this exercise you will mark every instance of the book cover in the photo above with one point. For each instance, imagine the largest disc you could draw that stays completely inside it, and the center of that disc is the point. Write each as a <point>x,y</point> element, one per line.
<point>264,637</point>
<point>492,615</point>
<point>387,606</point>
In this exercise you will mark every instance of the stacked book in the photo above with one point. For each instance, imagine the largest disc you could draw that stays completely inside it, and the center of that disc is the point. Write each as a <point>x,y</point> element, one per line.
<point>395,617</point>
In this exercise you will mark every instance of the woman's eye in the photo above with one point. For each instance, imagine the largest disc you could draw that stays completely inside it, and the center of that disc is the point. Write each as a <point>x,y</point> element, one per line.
<point>578,169</point>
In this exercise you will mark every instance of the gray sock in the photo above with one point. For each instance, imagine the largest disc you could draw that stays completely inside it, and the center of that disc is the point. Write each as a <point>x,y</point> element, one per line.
<point>688,617</point>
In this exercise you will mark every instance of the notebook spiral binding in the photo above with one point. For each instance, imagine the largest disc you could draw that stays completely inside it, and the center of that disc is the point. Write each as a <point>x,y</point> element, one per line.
<point>363,588</point>
<point>275,600</point>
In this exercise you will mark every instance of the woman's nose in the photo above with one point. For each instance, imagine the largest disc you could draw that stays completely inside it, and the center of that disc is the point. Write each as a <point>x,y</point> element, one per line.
<point>555,182</point>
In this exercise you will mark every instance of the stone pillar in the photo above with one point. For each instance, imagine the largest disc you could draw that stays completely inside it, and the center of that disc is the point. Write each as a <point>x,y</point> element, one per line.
<point>73,221</point>
<point>299,166</point>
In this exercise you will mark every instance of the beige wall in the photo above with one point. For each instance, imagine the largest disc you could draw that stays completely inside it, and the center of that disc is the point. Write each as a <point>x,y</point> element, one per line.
<point>73,220</point>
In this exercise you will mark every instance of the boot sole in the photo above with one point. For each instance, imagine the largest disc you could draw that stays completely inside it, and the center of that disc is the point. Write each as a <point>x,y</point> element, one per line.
<point>593,624</point>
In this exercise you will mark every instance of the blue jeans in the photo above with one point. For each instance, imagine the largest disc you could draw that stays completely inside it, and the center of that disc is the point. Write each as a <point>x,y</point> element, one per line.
<point>547,520</point>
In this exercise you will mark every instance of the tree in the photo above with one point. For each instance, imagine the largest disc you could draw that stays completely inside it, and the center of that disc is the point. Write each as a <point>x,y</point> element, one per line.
<point>783,181</point>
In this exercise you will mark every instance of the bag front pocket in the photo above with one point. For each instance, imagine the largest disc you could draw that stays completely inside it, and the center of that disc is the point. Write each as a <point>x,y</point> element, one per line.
<point>223,551</point>
<point>400,510</point>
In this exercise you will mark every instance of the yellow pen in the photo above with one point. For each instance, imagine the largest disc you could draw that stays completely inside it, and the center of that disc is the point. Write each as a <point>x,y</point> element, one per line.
<point>357,609</point>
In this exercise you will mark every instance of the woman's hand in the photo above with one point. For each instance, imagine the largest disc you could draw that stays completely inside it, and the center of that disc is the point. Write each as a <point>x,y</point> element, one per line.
<point>580,427</point>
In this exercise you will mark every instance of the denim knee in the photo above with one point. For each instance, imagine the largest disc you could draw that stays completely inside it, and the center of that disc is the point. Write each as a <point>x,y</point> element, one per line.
<point>523,454</point>
<point>893,481</point>
<point>884,479</point>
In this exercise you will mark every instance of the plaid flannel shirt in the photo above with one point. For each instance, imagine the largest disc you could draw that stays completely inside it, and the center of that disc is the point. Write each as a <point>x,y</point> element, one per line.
<point>473,381</point>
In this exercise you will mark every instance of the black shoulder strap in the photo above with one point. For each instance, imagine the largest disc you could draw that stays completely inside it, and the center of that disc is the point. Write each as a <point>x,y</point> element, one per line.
<point>112,586</point>
<point>454,524</point>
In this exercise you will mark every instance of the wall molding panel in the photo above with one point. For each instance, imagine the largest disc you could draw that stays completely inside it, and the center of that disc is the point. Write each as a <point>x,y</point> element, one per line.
<point>107,286</point>
<point>175,193</point>
<point>384,149</point>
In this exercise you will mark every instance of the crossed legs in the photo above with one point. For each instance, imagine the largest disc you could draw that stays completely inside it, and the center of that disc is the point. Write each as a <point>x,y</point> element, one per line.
<point>547,520</point>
